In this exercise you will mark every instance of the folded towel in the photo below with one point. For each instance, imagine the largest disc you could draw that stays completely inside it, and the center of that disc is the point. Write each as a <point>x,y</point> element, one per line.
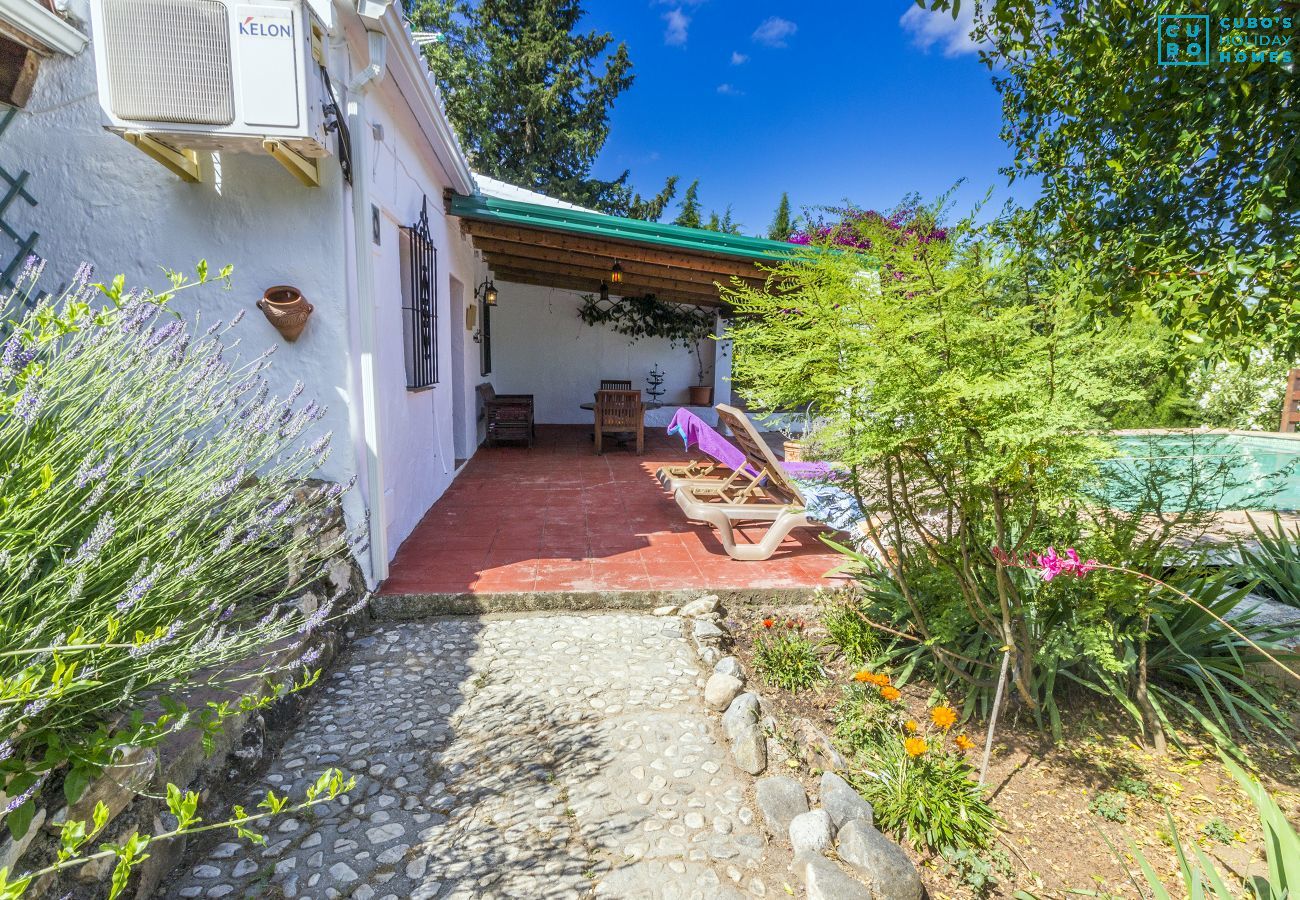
<point>694,430</point>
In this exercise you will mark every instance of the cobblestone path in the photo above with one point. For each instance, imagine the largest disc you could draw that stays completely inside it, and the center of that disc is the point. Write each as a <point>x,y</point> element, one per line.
<point>529,757</point>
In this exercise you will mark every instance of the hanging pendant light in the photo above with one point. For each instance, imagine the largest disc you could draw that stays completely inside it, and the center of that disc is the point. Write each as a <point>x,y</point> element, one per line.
<point>604,292</point>
<point>615,273</point>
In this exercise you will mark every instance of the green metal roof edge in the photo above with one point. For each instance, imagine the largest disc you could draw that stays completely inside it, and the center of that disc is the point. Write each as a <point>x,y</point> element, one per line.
<point>574,221</point>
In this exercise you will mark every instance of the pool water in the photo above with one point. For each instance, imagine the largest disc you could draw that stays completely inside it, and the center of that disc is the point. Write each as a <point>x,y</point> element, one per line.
<point>1243,470</point>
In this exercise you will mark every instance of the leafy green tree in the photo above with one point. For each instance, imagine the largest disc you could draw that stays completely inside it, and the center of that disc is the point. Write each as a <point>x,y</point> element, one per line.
<point>781,225</point>
<point>689,216</point>
<point>1175,187</point>
<point>528,93</point>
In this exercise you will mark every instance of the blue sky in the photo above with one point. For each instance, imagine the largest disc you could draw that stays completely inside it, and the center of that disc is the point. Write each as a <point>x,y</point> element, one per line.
<point>857,99</point>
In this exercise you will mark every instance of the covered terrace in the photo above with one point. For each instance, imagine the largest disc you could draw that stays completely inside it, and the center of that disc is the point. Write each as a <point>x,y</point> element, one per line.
<point>554,522</point>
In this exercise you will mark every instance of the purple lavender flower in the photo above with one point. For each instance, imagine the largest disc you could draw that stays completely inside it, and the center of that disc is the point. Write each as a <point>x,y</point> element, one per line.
<point>29,404</point>
<point>88,472</point>
<point>223,489</point>
<point>144,582</point>
<point>99,537</point>
<point>6,749</point>
<point>36,707</point>
<point>166,333</point>
<point>149,646</point>
<point>309,658</point>
<point>24,796</point>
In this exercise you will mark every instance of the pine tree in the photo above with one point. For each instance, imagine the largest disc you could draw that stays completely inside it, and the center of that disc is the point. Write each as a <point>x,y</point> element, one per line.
<point>689,217</point>
<point>781,225</point>
<point>652,209</point>
<point>528,94</point>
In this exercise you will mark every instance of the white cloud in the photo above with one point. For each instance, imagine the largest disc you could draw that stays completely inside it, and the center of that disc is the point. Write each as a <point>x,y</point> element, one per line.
<point>774,31</point>
<point>930,28</point>
<point>678,23</point>
<point>738,58</point>
<point>730,90</point>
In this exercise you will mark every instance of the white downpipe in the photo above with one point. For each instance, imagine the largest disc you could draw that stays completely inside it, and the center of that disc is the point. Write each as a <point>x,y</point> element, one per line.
<point>365,274</point>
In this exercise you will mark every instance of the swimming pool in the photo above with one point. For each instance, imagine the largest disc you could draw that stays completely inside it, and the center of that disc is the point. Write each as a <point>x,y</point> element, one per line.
<point>1242,469</point>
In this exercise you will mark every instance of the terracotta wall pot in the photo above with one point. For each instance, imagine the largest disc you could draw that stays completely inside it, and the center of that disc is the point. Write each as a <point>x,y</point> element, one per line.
<point>287,309</point>
<point>700,395</point>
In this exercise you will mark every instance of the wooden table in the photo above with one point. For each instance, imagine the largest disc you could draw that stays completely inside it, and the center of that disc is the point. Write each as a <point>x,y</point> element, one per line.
<point>590,406</point>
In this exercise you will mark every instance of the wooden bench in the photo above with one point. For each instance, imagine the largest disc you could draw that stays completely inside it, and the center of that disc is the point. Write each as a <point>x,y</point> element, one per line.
<point>509,417</point>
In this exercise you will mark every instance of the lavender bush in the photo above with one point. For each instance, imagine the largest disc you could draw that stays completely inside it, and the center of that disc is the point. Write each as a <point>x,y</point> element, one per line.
<point>155,514</point>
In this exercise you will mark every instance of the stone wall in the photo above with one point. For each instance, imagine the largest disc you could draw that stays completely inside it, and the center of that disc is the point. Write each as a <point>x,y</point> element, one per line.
<point>134,786</point>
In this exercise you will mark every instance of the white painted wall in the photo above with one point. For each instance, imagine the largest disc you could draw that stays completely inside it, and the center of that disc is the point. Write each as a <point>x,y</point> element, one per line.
<point>541,347</point>
<point>418,439</point>
<point>102,201</point>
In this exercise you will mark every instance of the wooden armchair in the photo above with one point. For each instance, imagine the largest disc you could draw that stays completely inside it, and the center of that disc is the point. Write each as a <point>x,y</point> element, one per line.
<point>618,412</point>
<point>509,417</point>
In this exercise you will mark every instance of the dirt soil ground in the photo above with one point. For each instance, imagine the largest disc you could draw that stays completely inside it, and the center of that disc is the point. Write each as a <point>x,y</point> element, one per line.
<point>1042,789</point>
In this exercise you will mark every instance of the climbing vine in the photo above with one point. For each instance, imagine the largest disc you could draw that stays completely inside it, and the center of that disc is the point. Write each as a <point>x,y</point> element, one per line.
<point>649,317</point>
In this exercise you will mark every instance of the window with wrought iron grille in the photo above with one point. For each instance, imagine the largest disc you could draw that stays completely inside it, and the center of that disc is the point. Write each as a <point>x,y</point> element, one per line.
<point>420,299</point>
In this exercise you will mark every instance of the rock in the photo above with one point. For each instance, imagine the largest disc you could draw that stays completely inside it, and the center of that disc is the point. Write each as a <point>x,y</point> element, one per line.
<point>811,831</point>
<point>743,711</point>
<point>10,850</point>
<point>883,864</point>
<point>729,665</point>
<point>843,802</point>
<point>721,689</point>
<point>707,633</point>
<point>244,867</point>
<point>816,747</point>
<point>701,607</point>
<point>781,798</point>
<point>749,748</point>
<point>709,655</point>
<point>825,881</point>
<point>342,872</point>
<point>664,610</point>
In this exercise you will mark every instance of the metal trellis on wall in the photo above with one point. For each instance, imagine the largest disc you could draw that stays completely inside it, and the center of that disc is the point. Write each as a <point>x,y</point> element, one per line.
<point>16,188</point>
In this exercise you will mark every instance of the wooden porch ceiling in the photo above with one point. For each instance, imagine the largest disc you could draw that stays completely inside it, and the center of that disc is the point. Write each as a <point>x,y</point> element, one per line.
<point>549,258</point>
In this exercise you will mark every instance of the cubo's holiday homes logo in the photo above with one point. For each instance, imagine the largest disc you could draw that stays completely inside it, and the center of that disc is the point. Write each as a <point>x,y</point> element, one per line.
<point>1187,40</point>
<point>1184,40</point>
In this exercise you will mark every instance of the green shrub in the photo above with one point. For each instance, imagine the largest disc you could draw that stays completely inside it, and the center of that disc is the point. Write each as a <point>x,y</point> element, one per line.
<point>1218,830</point>
<point>154,517</point>
<point>1272,561</point>
<point>979,870</point>
<point>863,719</point>
<point>857,640</point>
<point>787,660</point>
<point>930,800</point>
<point>1110,805</point>
<point>1134,787</point>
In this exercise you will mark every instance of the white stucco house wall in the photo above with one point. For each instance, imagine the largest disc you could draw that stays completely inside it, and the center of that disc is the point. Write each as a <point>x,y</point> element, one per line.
<point>100,199</point>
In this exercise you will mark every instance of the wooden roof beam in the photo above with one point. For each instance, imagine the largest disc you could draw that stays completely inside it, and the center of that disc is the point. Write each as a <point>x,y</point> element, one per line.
<point>542,279</point>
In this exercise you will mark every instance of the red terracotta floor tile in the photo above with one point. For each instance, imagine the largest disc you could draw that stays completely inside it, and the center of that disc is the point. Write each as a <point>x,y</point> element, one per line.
<point>556,517</point>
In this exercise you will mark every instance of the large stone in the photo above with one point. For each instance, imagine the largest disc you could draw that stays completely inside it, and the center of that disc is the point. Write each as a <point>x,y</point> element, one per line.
<point>811,831</point>
<point>720,690</point>
<point>705,632</point>
<point>883,864</point>
<point>816,747</point>
<point>729,665</point>
<point>781,798</point>
<point>701,607</point>
<point>749,748</point>
<point>743,711</point>
<point>826,881</point>
<point>844,804</point>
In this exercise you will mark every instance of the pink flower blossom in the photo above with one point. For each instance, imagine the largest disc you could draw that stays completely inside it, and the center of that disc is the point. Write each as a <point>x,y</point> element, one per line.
<point>1051,564</point>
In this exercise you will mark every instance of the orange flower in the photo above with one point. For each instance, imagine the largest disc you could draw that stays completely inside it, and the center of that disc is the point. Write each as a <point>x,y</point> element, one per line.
<point>965,743</point>
<point>943,716</point>
<point>890,693</point>
<point>911,725</point>
<point>871,678</point>
<point>768,623</point>
<point>915,746</point>
<point>862,675</point>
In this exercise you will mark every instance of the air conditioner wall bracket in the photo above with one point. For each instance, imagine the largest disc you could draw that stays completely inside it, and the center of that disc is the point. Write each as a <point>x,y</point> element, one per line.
<point>301,167</point>
<point>182,163</point>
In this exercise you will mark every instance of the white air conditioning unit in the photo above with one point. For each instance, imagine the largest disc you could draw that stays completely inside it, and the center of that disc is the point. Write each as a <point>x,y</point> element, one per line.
<point>212,75</point>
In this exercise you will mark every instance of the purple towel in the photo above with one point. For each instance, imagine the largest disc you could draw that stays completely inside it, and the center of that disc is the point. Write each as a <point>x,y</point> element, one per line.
<point>694,430</point>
